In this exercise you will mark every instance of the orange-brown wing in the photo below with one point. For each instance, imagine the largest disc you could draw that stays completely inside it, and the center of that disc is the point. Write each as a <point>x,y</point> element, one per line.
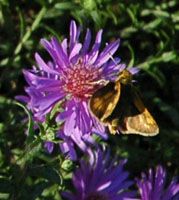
<point>104,100</point>
<point>142,123</point>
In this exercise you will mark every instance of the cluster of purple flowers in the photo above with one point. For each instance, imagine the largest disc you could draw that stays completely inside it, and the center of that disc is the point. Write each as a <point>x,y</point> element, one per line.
<point>75,72</point>
<point>153,186</point>
<point>101,178</point>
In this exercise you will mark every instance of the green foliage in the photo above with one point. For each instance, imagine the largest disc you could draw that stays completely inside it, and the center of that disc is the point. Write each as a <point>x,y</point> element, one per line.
<point>149,39</point>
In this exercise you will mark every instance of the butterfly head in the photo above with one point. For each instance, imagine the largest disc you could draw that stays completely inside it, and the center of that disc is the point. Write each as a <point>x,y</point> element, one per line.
<point>125,77</point>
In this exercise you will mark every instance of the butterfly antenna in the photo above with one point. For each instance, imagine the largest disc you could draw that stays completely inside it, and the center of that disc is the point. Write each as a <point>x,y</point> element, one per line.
<point>112,58</point>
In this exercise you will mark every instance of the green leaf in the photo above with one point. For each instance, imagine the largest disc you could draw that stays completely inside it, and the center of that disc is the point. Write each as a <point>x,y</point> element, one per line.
<point>47,172</point>
<point>65,6</point>
<point>30,129</point>
<point>32,150</point>
<point>168,56</point>
<point>34,25</point>
<point>153,25</point>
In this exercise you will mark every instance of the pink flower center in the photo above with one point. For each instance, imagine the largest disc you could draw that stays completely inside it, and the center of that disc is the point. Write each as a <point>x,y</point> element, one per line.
<point>80,80</point>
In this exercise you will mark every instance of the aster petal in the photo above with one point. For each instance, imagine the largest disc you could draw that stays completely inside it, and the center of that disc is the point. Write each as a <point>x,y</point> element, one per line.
<point>69,126</point>
<point>98,173</point>
<point>99,129</point>
<point>57,59</point>
<point>111,69</point>
<point>75,125</point>
<point>76,49</point>
<point>49,146</point>
<point>79,120</point>
<point>126,196</point>
<point>78,180</point>
<point>77,139</point>
<point>63,115</point>
<point>95,49</point>
<point>68,195</point>
<point>84,122</point>
<point>73,34</point>
<point>60,53</point>
<point>134,70</point>
<point>67,146</point>
<point>159,182</point>
<point>118,185</point>
<point>107,53</point>
<point>48,46</point>
<point>64,147</point>
<point>34,95</point>
<point>171,191</point>
<point>86,42</point>
<point>64,46</point>
<point>43,66</point>
<point>66,113</point>
<point>47,101</point>
<point>88,138</point>
<point>22,98</point>
<point>42,83</point>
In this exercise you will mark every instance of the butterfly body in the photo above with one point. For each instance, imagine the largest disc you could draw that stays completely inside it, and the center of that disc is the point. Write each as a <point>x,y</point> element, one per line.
<point>118,105</point>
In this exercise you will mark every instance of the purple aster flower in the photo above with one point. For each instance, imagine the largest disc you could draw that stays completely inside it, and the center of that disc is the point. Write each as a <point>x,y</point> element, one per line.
<point>100,178</point>
<point>71,77</point>
<point>153,186</point>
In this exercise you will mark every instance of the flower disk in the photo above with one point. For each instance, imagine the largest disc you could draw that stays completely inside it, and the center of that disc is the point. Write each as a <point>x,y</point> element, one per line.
<point>79,81</point>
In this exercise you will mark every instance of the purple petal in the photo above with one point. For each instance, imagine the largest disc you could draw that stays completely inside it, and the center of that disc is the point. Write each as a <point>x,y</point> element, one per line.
<point>22,98</point>
<point>77,139</point>
<point>57,59</point>
<point>73,34</point>
<point>69,126</point>
<point>134,70</point>
<point>107,53</point>
<point>43,66</point>
<point>60,53</point>
<point>86,43</point>
<point>64,46</point>
<point>42,83</point>
<point>75,50</point>
<point>47,101</point>
<point>49,146</point>
<point>95,49</point>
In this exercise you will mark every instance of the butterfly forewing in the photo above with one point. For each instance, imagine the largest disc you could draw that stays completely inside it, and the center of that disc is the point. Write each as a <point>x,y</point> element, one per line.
<point>104,100</point>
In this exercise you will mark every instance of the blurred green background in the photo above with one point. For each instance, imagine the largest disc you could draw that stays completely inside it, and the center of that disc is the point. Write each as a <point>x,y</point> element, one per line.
<point>149,32</point>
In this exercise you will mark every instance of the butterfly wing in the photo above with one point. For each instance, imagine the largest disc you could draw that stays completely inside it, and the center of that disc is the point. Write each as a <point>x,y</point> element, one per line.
<point>141,123</point>
<point>104,100</point>
<point>130,116</point>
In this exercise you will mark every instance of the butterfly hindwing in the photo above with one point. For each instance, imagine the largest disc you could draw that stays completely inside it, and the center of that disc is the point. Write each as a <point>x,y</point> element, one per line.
<point>141,123</point>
